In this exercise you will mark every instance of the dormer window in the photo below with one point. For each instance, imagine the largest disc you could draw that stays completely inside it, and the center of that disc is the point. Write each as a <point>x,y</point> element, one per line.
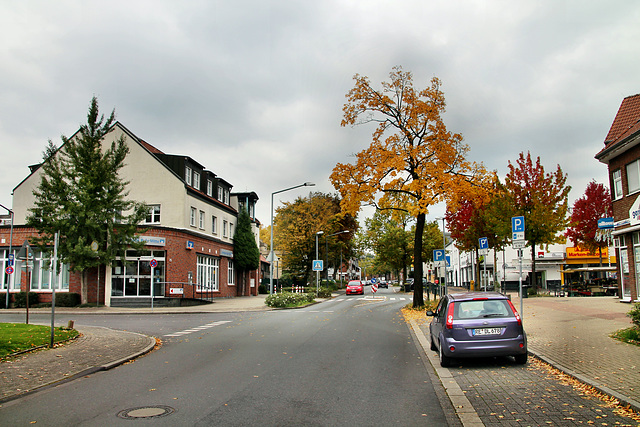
<point>187,174</point>
<point>209,188</point>
<point>196,180</point>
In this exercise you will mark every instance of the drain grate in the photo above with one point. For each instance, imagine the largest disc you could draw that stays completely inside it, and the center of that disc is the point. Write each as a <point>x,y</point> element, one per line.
<point>155,411</point>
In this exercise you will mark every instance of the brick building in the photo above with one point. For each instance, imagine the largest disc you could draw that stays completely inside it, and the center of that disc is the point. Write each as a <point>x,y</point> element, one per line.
<point>621,153</point>
<point>188,235</point>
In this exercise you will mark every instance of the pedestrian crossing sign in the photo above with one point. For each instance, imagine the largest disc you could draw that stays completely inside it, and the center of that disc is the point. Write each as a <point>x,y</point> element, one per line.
<point>317,265</point>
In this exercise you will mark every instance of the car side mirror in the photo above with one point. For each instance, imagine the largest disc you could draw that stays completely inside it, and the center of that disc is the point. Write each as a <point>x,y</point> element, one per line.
<point>430,313</point>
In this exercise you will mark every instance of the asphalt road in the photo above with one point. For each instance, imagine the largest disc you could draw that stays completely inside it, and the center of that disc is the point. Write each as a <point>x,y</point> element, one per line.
<point>347,361</point>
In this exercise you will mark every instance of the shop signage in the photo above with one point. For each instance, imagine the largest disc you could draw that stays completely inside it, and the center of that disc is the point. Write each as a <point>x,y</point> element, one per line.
<point>153,240</point>
<point>604,223</point>
<point>583,253</point>
<point>634,212</point>
<point>190,244</point>
<point>226,252</point>
<point>176,291</point>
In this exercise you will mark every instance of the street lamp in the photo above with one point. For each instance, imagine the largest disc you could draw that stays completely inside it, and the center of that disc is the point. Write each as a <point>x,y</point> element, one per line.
<point>317,272</point>
<point>326,250</point>
<point>10,253</point>
<point>444,248</point>
<point>272,254</point>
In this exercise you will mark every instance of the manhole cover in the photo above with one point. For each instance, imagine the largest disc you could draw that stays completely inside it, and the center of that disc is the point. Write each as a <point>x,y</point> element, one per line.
<point>155,411</point>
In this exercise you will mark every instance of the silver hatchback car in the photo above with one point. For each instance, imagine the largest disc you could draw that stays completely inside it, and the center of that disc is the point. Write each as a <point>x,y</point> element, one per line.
<point>477,324</point>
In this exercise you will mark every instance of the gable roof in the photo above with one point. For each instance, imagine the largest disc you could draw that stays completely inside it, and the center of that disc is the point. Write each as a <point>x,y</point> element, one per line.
<point>625,125</point>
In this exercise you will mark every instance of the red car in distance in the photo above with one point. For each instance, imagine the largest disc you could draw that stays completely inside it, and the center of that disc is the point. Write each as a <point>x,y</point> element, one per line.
<point>355,287</point>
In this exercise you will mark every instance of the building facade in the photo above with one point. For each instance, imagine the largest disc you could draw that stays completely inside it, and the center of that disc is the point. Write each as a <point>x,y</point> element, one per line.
<point>621,154</point>
<point>188,235</point>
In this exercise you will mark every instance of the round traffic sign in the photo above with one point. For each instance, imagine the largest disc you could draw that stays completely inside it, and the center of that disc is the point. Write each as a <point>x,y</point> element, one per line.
<point>153,263</point>
<point>9,270</point>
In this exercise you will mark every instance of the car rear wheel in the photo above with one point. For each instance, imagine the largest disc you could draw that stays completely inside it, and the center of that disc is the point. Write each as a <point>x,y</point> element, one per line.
<point>445,361</point>
<point>521,359</point>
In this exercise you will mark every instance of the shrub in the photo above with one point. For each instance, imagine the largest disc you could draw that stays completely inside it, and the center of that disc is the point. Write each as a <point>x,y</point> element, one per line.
<point>20,299</point>
<point>634,314</point>
<point>288,299</point>
<point>263,289</point>
<point>324,293</point>
<point>3,300</point>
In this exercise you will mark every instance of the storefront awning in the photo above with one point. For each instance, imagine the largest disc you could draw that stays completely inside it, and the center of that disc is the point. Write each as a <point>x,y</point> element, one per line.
<point>588,269</point>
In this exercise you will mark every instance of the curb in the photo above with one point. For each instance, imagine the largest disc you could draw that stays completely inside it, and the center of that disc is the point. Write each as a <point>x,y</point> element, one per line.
<point>464,410</point>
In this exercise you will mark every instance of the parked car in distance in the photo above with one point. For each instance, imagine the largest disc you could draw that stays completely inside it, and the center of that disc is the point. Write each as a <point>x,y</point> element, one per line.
<point>355,287</point>
<point>477,324</point>
<point>383,284</point>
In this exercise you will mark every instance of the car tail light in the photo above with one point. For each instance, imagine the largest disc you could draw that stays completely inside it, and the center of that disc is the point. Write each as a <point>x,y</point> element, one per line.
<point>450,316</point>
<point>515,312</point>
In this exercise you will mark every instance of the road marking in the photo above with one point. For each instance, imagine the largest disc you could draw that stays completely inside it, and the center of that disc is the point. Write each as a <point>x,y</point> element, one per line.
<point>198,328</point>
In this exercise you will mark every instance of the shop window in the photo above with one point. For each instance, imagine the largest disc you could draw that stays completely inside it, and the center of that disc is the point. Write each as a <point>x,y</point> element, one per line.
<point>207,273</point>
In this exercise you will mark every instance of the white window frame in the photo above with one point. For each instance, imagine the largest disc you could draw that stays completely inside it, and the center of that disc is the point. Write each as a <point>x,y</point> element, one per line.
<point>41,274</point>
<point>207,273</point>
<point>231,230</point>
<point>196,180</point>
<point>187,175</point>
<point>224,228</point>
<point>201,220</point>
<point>633,177</point>
<point>153,215</point>
<point>192,218</point>
<point>209,188</point>
<point>230,273</point>
<point>617,184</point>
<point>214,224</point>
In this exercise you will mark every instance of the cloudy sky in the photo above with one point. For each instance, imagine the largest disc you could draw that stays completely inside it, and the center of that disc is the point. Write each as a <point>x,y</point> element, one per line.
<point>254,89</point>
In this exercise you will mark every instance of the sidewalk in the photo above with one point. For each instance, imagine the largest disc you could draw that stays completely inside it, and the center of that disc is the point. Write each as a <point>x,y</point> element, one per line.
<point>572,334</point>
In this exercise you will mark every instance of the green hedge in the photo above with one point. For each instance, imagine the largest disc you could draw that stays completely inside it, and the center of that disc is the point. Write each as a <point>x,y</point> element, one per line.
<point>20,299</point>
<point>634,314</point>
<point>67,299</point>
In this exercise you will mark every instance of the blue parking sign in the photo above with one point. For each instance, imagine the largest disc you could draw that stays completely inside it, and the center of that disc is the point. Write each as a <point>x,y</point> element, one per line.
<point>517,227</point>
<point>438,255</point>
<point>484,243</point>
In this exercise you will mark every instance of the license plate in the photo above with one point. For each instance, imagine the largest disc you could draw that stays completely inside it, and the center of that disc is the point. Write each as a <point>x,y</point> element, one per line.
<point>487,331</point>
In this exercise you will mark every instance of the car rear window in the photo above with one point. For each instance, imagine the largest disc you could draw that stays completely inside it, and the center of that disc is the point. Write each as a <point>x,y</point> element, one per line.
<point>354,283</point>
<point>478,309</point>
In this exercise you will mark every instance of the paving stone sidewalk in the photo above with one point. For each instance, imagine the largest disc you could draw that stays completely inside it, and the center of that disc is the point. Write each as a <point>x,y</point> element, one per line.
<point>573,334</point>
<point>96,349</point>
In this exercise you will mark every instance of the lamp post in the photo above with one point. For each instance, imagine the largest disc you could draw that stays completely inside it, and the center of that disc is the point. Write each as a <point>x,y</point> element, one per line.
<point>326,250</point>
<point>317,272</point>
<point>10,253</point>
<point>445,256</point>
<point>271,253</point>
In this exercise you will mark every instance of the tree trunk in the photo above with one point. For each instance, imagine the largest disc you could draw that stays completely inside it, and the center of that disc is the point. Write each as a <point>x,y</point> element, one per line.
<point>83,287</point>
<point>418,297</point>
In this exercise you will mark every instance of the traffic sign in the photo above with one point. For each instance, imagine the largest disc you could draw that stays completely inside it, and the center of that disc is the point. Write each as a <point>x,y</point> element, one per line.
<point>438,255</point>
<point>484,243</point>
<point>9,270</point>
<point>517,228</point>
<point>11,259</point>
<point>153,263</point>
<point>374,287</point>
<point>519,244</point>
<point>317,265</point>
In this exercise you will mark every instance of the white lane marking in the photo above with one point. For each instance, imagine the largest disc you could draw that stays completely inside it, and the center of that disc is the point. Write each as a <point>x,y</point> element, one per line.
<point>197,329</point>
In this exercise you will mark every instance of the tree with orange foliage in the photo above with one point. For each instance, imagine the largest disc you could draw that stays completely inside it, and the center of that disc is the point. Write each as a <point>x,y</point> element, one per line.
<point>413,160</point>
<point>587,210</point>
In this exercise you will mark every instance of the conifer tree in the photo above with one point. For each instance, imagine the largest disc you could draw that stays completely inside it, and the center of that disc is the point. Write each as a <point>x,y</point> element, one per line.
<point>82,196</point>
<point>246,253</point>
